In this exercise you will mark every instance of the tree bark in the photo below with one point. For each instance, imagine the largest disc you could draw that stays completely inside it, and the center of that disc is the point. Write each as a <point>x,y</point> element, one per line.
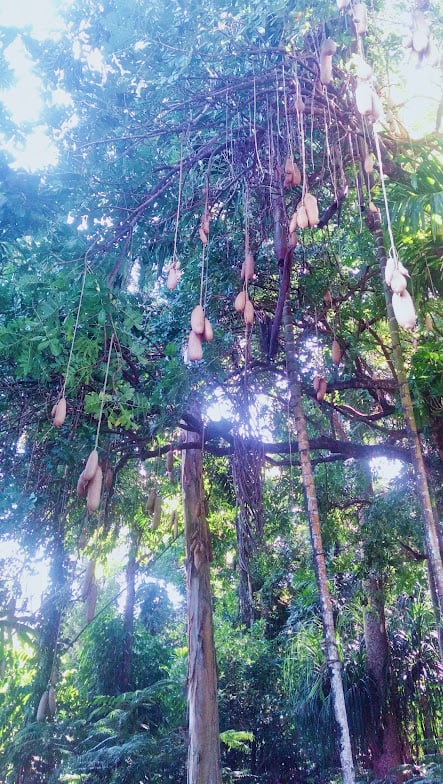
<point>332,656</point>
<point>247,464</point>
<point>386,747</point>
<point>204,765</point>
<point>128,617</point>
<point>429,523</point>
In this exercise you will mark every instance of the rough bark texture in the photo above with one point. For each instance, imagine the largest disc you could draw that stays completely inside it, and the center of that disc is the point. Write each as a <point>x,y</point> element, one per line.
<point>429,523</point>
<point>204,766</point>
<point>247,464</point>
<point>332,657</point>
<point>385,745</point>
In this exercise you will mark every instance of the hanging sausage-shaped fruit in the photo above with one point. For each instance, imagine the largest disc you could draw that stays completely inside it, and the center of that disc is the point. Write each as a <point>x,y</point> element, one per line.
<point>327,49</point>
<point>59,412</point>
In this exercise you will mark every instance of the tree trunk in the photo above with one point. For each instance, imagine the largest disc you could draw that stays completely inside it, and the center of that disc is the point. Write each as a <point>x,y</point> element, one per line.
<point>204,765</point>
<point>128,617</point>
<point>247,464</point>
<point>332,656</point>
<point>386,748</point>
<point>429,523</point>
<point>36,767</point>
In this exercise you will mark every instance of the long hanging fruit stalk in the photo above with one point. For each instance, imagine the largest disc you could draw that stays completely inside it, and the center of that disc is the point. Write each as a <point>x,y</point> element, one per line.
<point>332,656</point>
<point>429,523</point>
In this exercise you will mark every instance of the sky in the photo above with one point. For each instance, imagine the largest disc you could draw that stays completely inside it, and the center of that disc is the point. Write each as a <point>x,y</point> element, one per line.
<point>23,99</point>
<point>418,90</point>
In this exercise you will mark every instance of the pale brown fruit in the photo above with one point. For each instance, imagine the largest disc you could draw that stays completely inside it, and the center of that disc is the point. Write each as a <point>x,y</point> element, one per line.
<point>292,172</point>
<point>248,313</point>
<point>398,282</point>
<point>52,706</point>
<point>293,239</point>
<point>325,69</point>
<point>429,324</point>
<point>173,519</point>
<point>368,164</point>
<point>328,47</point>
<point>302,217</point>
<point>94,491</point>
<point>316,382</point>
<point>390,268</point>
<point>336,352</point>
<point>208,332</point>
<point>240,301</point>
<point>311,207</point>
<point>205,223</point>
<point>150,501</point>
<point>420,40</point>
<point>169,461</point>
<point>88,579</point>
<point>60,412</point>
<point>202,236</point>
<point>376,107</point>
<point>360,17</point>
<point>82,486</point>
<point>198,320</point>
<point>195,348</point>
<point>247,272</point>
<point>293,225</point>
<point>91,466</point>
<point>362,69</point>
<point>42,709</point>
<point>363,98</point>
<point>327,298</point>
<point>172,279</point>
<point>404,310</point>
<point>91,603</point>
<point>156,518</point>
<point>322,387</point>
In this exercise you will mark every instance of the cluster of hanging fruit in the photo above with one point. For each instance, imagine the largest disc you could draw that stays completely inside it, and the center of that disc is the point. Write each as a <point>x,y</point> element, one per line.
<point>201,329</point>
<point>47,705</point>
<point>319,382</point>
<point>402,304</point>
<point>366,99</point>
<point>90,481</point>
<point>306,214</point>
<point>154,507</point>
<point>242,302</point>
<point>174,275</point>
<point>420,41</point>
<point>201,332</point>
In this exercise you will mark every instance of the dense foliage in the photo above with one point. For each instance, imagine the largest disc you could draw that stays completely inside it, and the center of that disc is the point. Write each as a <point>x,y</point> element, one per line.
<point>175,115</point>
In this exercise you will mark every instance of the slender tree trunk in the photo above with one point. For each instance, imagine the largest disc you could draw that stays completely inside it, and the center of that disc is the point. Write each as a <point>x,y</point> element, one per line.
<point>386,748</point>
<point>37,767</point>
<point>128,617</point>
<point>332,656</point>
<point>247,464</point>
<point>204,765</point>
<point>429,523</point>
